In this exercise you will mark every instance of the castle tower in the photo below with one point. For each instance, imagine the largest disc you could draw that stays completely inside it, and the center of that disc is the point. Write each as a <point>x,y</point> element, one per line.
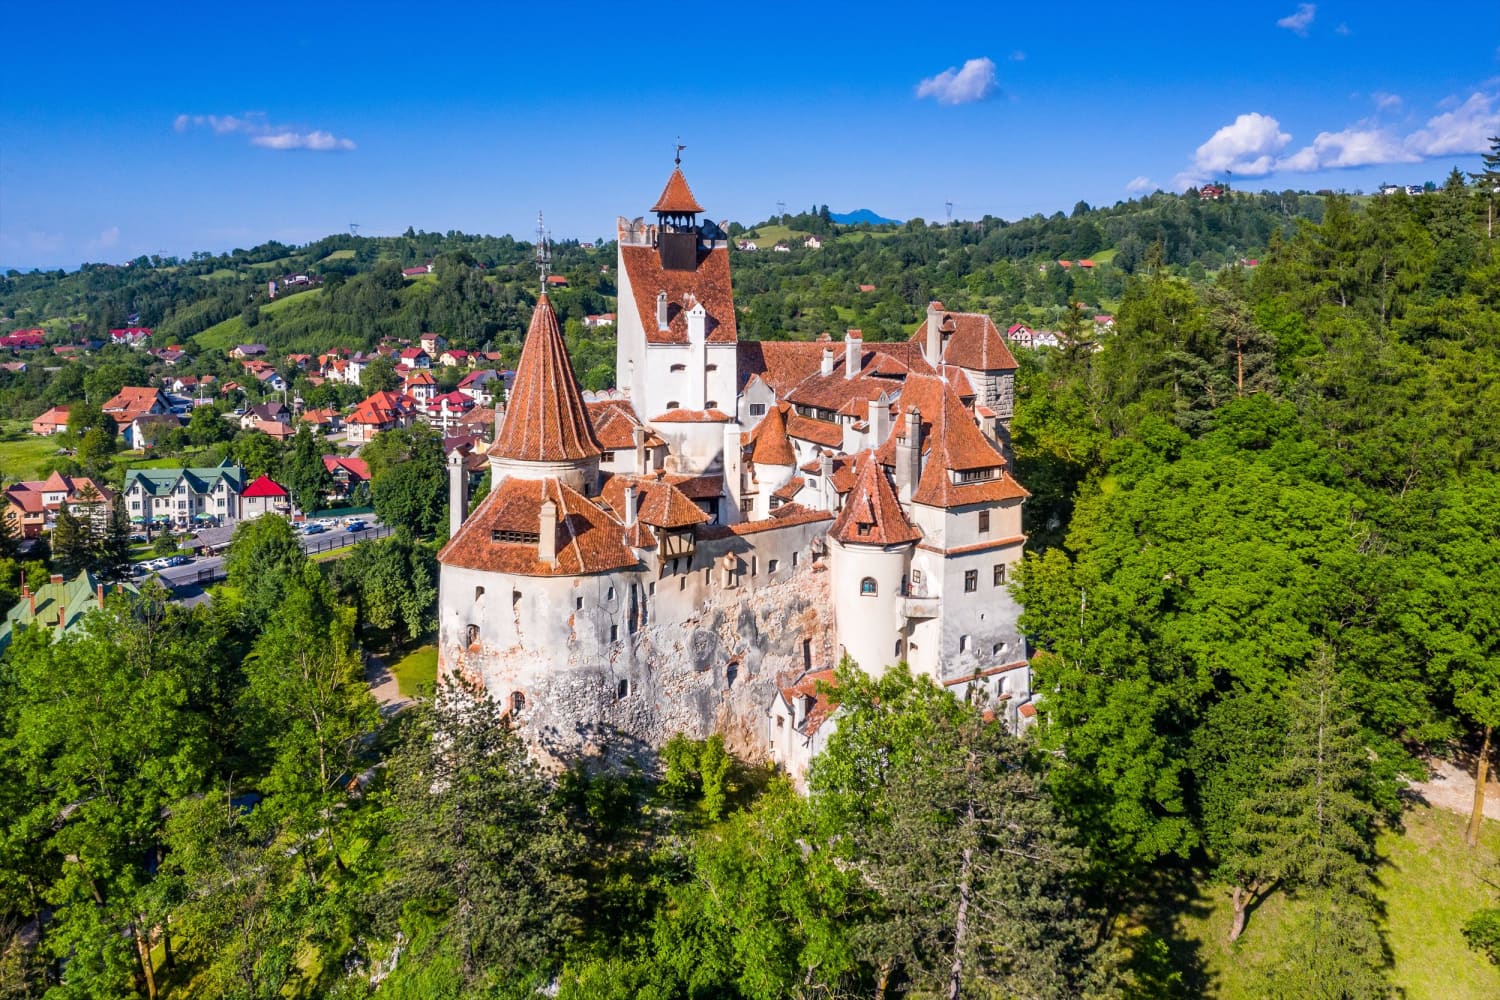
<point>546,433</point>
<point>870,548</point>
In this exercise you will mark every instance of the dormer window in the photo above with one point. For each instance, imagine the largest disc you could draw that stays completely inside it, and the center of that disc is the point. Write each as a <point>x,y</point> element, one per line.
<point>976,475</point>
<point>523,537</point>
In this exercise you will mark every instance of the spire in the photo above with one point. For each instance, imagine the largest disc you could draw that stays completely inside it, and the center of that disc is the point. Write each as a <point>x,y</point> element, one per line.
<point>772,446</point>
<point>543,251</point>
<point>872,515</point>
<point>677,198</point>
<point>545,420</point>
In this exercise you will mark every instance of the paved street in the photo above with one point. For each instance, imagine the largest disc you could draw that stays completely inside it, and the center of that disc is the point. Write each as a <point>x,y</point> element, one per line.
<point>189,583</point>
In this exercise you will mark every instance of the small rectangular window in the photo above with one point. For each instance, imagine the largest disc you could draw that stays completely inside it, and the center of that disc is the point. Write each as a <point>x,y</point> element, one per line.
<point>971,580</point>
<point>757,409</point>
<point>999,574</point>
<point>771,566</point>
<point>963,643</point>
<point>610,593</point>
<point>984,521</point>
<point>614,633</point>
<point>577,604</point>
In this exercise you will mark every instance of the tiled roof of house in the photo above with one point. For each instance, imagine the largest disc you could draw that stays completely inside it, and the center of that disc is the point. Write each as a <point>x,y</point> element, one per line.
<point>29,495</point>
<point>545,420</point>
<point>708,285</point>
<point>356,468</point>
<point>589,540</point>
<point>665,506</point>
<point>159,482</point>
<point>770,444</point>
<point>970,340</point>
<point>264,486</point>
<point>63,603</point>
<point>805,687</point>
<point>821,432</point>
<point>677,197</point>
<point>681,416</point>
<point>872,515</point>
<point>381,408</point>
<point>132,401</point>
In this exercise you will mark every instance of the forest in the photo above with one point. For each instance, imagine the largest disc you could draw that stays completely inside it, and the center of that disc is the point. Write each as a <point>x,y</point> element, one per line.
<point>1262,590</point>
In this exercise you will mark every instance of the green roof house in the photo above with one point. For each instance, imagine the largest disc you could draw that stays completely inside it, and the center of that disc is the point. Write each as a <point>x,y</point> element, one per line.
<point>185,497</point>
<point>60,603</point>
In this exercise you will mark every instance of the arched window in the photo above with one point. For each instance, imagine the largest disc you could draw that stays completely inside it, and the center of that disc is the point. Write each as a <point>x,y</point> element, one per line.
<point>622,689</point>
<point>478,593</point>
<point>867,587</point>
<point>471,635</point>
<point>517,702</point>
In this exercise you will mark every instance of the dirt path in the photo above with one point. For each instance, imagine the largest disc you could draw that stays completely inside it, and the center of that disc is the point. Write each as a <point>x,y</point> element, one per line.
<point>1451,787</point>
<point>387,692</point>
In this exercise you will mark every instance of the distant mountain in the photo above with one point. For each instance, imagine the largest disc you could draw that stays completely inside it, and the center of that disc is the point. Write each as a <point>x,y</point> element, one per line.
<point>862,215</point>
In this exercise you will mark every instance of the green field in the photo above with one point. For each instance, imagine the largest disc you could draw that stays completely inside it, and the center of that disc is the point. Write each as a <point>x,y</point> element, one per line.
<point>416,673</point>
<point>23,456</point>
<point>223,336</point>
<point>340,255</point>
<point>1429,883</point>
<point>768,236</point>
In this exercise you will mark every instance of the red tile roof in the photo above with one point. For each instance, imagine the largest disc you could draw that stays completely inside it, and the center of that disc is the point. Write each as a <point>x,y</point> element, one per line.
<point>817,431</point>
<point>970,340</point>
<point>872,515</point>
<point>681,416</point>
<point>382,408</point>
<point>614,423</point>
<point>822,705</point>
<point>677,198</point>
<point>589,540</point>
<point>265,486</point>
<point>770,441</point>
<point>665,506</point>
<point>357,468</point>
<point>545,420</point>
<point>708,285</point>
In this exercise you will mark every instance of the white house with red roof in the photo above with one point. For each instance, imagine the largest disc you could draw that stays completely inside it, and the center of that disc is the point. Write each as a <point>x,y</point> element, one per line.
<point>265,496</point>
<point>413,357</point>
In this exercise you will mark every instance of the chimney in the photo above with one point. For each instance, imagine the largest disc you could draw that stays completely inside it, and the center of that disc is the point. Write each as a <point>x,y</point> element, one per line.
<point>31,599</point>
<point>661,310</point>
<point>25,587</point>
<point>99,593</point>
<point>825,469</point>
<point>629,505</point>
<point>733,486</point>
<point>458,493</point>
<point>854,345</point>
<point>638,439</point>
<point>880,422</point>
<point>546,546</point>
<point>57,578</point>
<point>934,347</point>
<point>697,320</point>
<point>909,457</point>
<point>827,368</point>
<point>62,616</point>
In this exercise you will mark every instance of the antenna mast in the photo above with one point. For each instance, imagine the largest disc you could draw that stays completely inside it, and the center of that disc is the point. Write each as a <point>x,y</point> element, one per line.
<point>543,250</point>
<point>949,206</point>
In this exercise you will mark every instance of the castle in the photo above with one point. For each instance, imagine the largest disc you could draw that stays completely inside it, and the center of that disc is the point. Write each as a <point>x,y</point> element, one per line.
<point>690,552</point>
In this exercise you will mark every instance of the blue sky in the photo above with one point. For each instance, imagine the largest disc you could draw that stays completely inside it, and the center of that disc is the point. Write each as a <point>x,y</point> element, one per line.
<point>143,128</point>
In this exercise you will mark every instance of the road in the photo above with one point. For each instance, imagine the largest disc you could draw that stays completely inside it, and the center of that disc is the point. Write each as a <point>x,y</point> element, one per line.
<point>188,583</point>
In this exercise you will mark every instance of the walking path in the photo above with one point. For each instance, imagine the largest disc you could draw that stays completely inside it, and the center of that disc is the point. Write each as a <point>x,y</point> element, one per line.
<point>1451,787</point>
<point>383,685</point>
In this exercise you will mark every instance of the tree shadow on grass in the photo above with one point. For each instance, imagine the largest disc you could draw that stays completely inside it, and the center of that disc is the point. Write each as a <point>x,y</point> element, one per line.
<point>1160,959</point>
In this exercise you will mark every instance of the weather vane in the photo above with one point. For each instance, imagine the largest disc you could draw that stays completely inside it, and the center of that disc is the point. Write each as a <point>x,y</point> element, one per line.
<point>543,252</point>
<point>677,160</point>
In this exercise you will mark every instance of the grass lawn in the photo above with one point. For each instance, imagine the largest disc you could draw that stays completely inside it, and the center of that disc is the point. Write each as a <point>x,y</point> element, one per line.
<point>416,673</point>
<point>1429,883</point>
<point>221,336</point>
<point>769,236</point>
<point>24,456</point>
<point>340,255</point>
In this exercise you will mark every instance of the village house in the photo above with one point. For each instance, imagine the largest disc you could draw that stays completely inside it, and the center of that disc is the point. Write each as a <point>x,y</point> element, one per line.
<point>381,411</point>
<point>274,411</point>
<point>59,604</point>
<point>421,385</point>
<point>348,474</point>
<point>248,352</point>
<point>454,357</point>
<point>130,336</point>
<point>433,343</point>
<point>264,496</point>
<point>481,386</point>
<point>135,401</point>
<point>54,421</point>
<point>31,507</point>
<point>143,433</point>
<point>413,357</point>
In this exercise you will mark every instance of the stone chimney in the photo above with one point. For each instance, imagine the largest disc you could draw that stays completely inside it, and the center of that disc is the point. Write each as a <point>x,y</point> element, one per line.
<point>25,587</point>
<point>733,473</point>
<point>62,616</point>
<point>697,319</point>
<point>909,457</point>
<point>827,367</point>
<point>661,310</point>
<point>458,492</point>
<point>57,578</point>
<point>31,599</point>
<point>825,471</point>
<point>638,439</point>
<point>630,497</point>
<point>546,545</point>
<point>854,345</point>
<point>933,350</point>
<point>99,593</point>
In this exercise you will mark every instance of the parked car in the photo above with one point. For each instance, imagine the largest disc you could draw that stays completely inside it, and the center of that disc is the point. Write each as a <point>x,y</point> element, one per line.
<point>314,528</point>
<point>179,560</point>
<point>355,526</point>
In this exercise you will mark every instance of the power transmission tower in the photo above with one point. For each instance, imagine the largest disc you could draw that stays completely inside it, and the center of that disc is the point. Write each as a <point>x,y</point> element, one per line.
<point>949,206</point>
<point>354,229</point>
<point>780,209</point>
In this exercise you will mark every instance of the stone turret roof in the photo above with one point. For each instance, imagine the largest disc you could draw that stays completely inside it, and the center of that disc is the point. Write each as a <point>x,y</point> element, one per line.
<point>677,198</point>
<point>872,515</point>
<point>545,420</point>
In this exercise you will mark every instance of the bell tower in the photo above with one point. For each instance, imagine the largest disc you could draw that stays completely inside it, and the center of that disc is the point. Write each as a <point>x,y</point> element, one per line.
<point>677,232</point>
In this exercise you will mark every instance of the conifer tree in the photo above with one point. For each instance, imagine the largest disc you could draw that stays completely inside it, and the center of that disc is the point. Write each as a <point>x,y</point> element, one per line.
<point>113,560</point>
<point>72,542</point>
<point>1488,183</point>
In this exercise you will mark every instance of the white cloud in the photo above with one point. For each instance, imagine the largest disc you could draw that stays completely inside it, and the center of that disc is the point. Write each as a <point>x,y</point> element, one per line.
<point>1248,147</point>
<point>1386,102</point>
<point>1141,185</point>
<point>1353,147</point>
<point>1465,129</point>
<point>974,82</point>
<point>318,141</point>
<point>1342,29</point>
<point>108,237</point>
<point>263,134</point>
<point>1299,21</point>
<point>1018,56</point>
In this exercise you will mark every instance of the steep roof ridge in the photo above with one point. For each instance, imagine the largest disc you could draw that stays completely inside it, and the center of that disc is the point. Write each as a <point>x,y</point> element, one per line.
<point>872,505</point>
<point>546,420</point>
